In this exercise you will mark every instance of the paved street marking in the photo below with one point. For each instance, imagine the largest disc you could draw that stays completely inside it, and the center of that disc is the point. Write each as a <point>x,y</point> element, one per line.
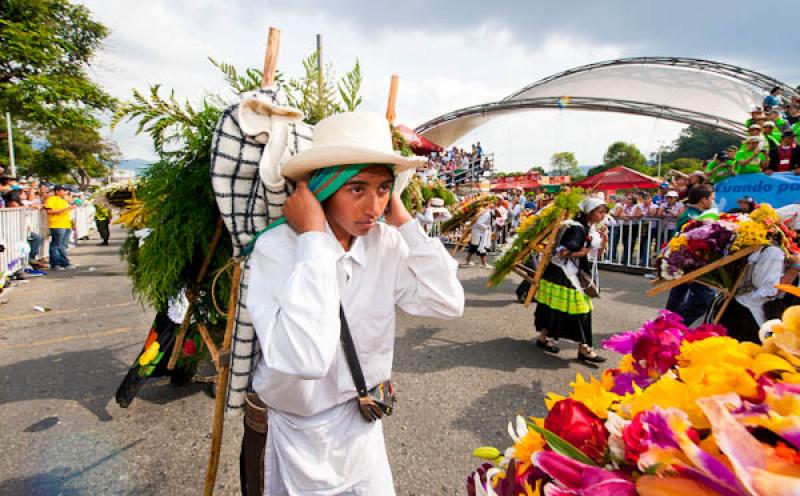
<point>60,312</point>
<point>64,339</point>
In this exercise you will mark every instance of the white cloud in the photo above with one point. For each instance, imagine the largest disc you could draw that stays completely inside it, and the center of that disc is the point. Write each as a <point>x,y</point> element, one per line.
<point>167,42</point>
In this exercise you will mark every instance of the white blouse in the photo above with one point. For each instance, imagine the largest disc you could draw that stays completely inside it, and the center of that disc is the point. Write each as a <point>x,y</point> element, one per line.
<point>766,271</point>
<point>318,444</point>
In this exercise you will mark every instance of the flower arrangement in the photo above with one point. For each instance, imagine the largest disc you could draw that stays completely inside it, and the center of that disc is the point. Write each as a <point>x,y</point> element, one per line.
<point>688,411</point>
<point>532,226</point>
<point>466,211</point>
<point>706,240</point>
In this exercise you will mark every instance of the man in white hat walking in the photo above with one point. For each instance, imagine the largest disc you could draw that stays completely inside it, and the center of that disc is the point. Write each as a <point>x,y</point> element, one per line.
<point>322,293</point>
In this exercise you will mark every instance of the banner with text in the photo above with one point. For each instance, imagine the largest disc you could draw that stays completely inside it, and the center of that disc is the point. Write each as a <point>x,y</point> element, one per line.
<point>778,189</point>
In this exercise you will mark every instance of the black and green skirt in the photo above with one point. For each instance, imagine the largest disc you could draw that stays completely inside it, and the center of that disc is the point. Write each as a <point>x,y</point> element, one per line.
<point>563,310</point>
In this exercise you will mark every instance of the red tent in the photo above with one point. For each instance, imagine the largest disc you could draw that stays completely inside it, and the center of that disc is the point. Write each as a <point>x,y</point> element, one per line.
<point>617,178</point>
<point>525,182</point>
<point>419,144</point>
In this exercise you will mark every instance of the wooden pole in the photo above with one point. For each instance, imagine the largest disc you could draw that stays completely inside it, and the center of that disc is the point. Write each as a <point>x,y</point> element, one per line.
<point>537,277</point>
<point>271,57</point>
<point>223,366</point>
<point>731,293</point>
<point>222,387</point>
<point>391,106</point>
<point>192,294</point>
<point>691,276</point>
<point>320,78</point>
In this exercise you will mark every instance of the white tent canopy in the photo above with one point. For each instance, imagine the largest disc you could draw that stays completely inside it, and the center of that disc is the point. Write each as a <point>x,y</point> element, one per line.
<point>691,91</point>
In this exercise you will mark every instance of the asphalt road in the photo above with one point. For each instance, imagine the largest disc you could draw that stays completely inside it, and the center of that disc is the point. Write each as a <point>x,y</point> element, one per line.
<point>459,383</point>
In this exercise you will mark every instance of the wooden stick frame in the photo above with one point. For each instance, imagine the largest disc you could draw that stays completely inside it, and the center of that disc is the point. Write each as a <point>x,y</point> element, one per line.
<point>193,293</point>
<point>547,252</point>
<point>392,103</point>
<point>223,366</point>
<point>729,293</point>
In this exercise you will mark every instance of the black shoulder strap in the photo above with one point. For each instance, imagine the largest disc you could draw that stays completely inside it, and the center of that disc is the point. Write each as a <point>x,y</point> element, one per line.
<point>351,356</point>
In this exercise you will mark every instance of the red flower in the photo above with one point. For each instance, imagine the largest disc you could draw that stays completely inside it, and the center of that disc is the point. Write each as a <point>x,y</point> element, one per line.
<point>575,423</point>
<point>189,348</point>
<point>636,439</point>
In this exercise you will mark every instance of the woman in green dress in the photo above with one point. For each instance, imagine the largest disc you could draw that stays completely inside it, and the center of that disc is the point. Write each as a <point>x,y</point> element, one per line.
<point>563,309</point>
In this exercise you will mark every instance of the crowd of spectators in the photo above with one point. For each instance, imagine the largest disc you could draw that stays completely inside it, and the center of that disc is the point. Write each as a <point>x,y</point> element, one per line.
<point>452,163</point>
<point>57,201</point>
<point>771,143</point>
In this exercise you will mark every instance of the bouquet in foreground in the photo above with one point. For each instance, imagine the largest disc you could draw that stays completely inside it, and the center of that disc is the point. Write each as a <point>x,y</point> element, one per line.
<point>687,412</point>
<point>711,237</point>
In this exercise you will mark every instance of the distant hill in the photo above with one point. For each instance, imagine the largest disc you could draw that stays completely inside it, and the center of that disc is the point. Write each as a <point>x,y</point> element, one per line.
<point>134,164</point>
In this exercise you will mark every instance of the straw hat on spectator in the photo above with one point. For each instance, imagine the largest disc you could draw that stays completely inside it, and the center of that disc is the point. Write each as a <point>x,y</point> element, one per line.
<point>437,206</point>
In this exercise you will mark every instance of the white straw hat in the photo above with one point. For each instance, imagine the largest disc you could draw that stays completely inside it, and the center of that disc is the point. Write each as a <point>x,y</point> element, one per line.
<point>349,138</point>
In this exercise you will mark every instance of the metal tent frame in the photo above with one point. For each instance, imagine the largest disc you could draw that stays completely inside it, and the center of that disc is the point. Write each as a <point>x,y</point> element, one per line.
<point>517,103</point>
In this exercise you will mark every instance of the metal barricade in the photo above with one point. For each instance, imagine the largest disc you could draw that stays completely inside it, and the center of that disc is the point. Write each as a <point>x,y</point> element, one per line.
<point>634,244</point>
<point>20,229</point>
<point>25,229</point>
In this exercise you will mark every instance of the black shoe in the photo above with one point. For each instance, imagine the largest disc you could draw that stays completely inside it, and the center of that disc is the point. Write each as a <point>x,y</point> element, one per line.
<point>590,357</point>
<point>547,346</point>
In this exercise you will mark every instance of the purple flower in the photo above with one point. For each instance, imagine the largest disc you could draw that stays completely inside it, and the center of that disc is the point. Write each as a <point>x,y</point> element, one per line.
<point>573,478</point>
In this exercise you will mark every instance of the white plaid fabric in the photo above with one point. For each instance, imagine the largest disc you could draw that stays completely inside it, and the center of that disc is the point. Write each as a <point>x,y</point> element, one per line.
<point>246,207</point>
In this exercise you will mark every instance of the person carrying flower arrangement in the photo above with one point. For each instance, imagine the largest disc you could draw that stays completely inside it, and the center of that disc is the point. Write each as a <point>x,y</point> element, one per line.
<point>691,301</point>
<point>760,301</point>
<point>563,309</point>
<point>322,293</point>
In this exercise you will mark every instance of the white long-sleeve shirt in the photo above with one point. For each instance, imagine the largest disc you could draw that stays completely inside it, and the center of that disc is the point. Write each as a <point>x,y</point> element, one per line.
<point>767,266</point>
<point>295,287</point>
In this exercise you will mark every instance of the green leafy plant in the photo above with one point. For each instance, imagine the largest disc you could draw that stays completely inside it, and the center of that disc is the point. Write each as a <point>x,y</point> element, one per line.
<point>530,229</point>
<point>179,204</point>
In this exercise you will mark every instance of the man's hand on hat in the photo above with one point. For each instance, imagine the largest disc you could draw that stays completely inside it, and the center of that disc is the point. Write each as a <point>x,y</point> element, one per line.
<point>303,211</point>
<point>396,214</point>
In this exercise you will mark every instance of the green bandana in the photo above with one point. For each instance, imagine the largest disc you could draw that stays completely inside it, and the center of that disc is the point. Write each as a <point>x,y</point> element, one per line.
<point>323,183</point>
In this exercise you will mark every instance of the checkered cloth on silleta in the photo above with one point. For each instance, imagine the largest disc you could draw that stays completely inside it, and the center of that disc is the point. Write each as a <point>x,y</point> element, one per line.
<point>246,207</point>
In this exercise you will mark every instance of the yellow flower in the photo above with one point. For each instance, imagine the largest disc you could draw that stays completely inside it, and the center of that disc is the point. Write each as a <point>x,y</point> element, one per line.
<point>717,379</point>
<point>626,364</point>
<point>749,232</point>
<point>667,392</point>
<point>767,362</point>
<point>551,399</point>
<point>765,213</point>
<point>714,350</point>
<point>678,242</point>
<point>594,395</point>
<point>530,443</point>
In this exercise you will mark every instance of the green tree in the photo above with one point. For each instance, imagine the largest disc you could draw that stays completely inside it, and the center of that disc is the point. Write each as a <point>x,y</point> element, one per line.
<point>45,48</point>
<point>700,143</point>
<point>685,165</point>
<point>318,97</point>
<point>598,169</point>
<point>564,164</point>
<point>78,152</point>
<point>24,153</point>
<point>625,154</point>
<point>538,169</point>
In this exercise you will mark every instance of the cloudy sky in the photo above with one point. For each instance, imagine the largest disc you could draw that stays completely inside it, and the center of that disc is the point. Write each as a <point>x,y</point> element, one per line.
<point>448,54</point>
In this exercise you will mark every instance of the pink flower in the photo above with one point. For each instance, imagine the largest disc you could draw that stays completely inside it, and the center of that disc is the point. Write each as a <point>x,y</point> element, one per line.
<point>573,478</point>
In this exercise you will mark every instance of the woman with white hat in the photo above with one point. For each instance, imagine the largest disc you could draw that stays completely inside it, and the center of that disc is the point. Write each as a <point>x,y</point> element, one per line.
<point>564,310</point>
<point>322,292</point>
